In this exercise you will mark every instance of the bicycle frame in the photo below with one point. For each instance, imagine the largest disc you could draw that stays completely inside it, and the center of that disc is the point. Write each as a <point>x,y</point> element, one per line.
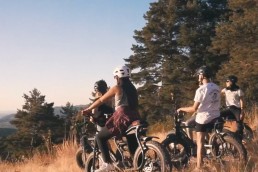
<point>120,144</point>
<point>190,145</point>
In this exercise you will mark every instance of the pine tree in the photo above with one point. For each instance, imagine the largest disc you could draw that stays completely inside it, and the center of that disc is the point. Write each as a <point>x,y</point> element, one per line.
<point>36,120</point>
<point>169,49</point>
<point>238,39</point>
<point>69,112</point>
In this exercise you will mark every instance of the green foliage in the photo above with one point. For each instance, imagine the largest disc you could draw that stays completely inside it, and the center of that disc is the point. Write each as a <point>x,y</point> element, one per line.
<point>169,49</point>
<point>36,120</point>
<point>238,39</point>
<point>69,112</point>
<point>6,131</point>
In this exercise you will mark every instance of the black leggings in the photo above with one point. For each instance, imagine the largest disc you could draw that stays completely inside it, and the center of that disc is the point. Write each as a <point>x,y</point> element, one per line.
<point>102,138</point>
<point>233,112</point>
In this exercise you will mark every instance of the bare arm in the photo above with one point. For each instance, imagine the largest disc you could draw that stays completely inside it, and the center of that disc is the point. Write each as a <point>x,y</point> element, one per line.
<point>111,92</point>
<point>241,102</point>
<point>242,115</point>
<point>190,109</point>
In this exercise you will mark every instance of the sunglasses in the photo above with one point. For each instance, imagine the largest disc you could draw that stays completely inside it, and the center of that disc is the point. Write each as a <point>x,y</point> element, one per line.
<point>227,81</point>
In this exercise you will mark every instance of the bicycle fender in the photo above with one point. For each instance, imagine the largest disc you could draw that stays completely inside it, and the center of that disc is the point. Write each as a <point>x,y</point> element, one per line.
<point>228,133</point>
<point>171,136</point>
<point>148,138</point>
<point>222,134</point>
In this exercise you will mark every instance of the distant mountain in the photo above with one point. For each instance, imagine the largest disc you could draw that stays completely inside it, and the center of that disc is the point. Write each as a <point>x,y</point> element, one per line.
<point>5,121</point>
<point>6,118</point>
<point>6,128</point>
<point>57,109</point>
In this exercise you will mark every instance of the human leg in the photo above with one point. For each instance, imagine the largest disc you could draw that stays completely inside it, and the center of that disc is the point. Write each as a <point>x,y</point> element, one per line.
<point>102,141</point>
<point>200,139</point>
<point>190,122</point>
<point>237,111</point>
<point>200,143</point>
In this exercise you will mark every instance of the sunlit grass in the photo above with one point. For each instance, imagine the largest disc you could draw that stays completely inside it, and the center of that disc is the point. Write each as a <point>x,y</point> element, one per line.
<point>63,159</point>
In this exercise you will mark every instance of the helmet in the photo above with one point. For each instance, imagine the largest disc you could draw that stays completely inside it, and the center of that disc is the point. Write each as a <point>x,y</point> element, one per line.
<point>232,78</point>
<point>101,86</point>
<point>122,72</point>
<point>205,71</point>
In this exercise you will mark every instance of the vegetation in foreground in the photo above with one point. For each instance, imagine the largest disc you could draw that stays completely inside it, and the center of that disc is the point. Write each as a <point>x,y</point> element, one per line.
<point>64,161</point>
<point>62,158</point>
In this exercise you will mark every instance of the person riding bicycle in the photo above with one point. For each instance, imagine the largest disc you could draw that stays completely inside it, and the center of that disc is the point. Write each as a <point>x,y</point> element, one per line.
<point>234,102</point>
<point>190,122</point>
<point>207,105</point>
<point>100,88</point>
<point>126,111</point>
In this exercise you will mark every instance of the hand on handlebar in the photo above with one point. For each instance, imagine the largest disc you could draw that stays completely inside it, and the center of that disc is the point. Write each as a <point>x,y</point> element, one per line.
<point>86,112</point>
<point>179,110</point>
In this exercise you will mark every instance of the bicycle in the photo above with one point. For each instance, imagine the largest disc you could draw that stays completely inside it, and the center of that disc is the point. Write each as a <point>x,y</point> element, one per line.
<point>134,152</point>
<point>86,143</point>
<point>219,146</point>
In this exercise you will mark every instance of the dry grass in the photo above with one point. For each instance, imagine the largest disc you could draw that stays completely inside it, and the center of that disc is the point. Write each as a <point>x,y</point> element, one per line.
<point>64,159</point>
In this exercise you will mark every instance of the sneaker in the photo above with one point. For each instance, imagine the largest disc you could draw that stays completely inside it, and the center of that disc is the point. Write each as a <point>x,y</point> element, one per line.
<point>105,167</point>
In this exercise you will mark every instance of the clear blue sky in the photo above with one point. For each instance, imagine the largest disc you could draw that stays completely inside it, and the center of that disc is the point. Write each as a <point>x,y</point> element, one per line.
<point>61,47</point>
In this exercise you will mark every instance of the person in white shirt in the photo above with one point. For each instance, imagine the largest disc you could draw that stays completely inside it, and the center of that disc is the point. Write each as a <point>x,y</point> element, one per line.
<point>207,106</point>
<point>234,102</point>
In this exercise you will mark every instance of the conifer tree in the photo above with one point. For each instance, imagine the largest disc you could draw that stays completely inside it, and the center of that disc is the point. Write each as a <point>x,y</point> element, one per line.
<point>238,39</point>
<point>35,117</point>
<point>69,112</point>
<point>169,49</point>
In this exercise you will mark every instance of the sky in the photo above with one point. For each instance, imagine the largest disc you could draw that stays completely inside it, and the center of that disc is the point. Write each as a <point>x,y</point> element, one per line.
<point>62,47</point>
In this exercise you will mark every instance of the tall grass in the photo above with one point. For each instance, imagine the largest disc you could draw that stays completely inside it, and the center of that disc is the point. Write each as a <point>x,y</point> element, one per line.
<point>63,159</point>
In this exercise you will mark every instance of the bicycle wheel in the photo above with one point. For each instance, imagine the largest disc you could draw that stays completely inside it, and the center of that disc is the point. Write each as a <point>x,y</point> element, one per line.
<point>89,162</point>
<point>177,149</point>
<point>228,150</point>
<point>81,157</point>
<point>155,158</point>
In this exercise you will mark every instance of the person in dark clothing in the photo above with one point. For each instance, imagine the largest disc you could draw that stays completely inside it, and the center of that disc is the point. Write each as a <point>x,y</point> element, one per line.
<point>99,113</point>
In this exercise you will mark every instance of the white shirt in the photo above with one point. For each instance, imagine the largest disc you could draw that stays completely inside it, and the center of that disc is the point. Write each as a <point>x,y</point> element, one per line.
<point>233,97</point>
<point>208,95</point>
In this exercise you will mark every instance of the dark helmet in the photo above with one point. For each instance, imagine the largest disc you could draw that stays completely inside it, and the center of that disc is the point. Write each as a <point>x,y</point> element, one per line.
<point>205,71</point>
<point>101,86</point>
<point>232,78</point>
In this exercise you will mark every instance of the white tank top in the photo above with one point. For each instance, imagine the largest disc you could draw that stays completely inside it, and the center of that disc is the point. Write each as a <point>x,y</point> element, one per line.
<point>121,100</point>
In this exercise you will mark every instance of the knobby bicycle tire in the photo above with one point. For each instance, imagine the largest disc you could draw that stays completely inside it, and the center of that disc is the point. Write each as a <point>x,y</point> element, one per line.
<point>154,149</point>
<point>229,146</point>
<point>80,157</point>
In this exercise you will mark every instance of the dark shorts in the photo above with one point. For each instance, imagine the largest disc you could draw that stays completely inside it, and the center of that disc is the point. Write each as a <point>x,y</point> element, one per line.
<point>231,112</point>
<point>203,127</point>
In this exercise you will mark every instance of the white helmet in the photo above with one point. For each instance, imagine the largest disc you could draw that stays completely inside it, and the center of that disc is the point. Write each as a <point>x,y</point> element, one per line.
<point>122,72</point>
